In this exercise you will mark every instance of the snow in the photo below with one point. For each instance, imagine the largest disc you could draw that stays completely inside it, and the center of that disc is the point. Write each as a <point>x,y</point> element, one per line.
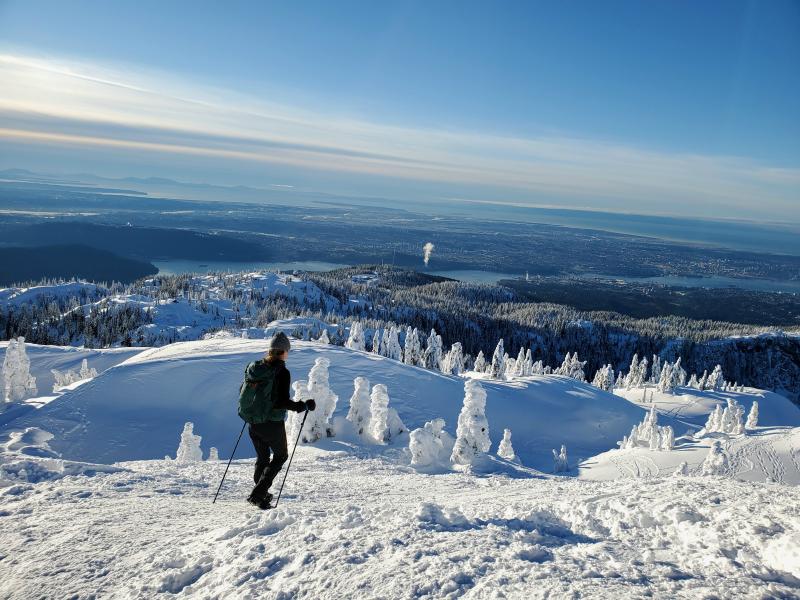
<point>360,527</point>
<point>158,390</point>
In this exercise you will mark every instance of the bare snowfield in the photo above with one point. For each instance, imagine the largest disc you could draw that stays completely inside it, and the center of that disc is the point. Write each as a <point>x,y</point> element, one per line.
<point>353,526</point>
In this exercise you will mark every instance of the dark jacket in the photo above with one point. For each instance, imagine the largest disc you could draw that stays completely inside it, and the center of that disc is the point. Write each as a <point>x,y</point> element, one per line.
<point>260,371</point>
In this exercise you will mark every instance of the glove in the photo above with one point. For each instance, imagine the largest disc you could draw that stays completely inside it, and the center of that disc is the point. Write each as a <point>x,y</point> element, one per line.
<point>311,405</point>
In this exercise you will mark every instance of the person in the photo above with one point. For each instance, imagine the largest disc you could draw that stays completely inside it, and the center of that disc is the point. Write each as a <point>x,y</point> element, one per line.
<point>268,432</point>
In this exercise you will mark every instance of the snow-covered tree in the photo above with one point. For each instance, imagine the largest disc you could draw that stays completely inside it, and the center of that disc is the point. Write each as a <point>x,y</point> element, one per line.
<point>189,450</point>
<point>433,351</point>
<point>497,368</point>
<point>213,454</point>
<point>323,337</point>
<point>752,416</point>
<point>693,383</point>
<point>519,364</point>
<point>633,373</point>
<point>355,341</point>
<point>666,382</point>
<point>376,343</point>
<point>472,433</point>
<point>572,367</point>
<point>655,372</point>
<point>681,469</point>
<point>716,462</point>
<point>649,434</point>
<point>715,380</point>
<point>392,347</point>
<point>430,445</point>
<point>318,421</point>
<point>506,450</point>
<point>560,460</point>
<point>666,438</point>
<point>412,350</point>
<point>17,379</point>
<point>453,362</point>
<point>604,378</point>
<point>729,421</point>
<point>65,378</point>
<point>380,427</point>
<point>359,414</point>
<point>480,363</point>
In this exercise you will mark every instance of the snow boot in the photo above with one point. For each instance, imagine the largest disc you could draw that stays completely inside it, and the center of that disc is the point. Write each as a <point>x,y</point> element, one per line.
<point>262,503</point>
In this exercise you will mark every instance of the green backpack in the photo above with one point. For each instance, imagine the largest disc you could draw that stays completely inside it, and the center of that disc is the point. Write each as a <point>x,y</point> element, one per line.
<point>255,393</point>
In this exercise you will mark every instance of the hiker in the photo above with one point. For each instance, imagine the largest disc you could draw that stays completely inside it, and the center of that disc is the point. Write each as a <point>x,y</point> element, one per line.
<point>264,408</point>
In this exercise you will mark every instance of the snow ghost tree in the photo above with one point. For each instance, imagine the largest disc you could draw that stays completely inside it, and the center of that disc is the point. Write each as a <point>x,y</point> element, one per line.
<point>376,343</point>
<point>433,351</point>
<point>62,379</point>
<point>716,463</point>
<point>385,424</point>
<point>604,378</point>
<point>649,434</point>
<point>323,337</point>
<point>391,344</point>
<point>453,362</point>
<point>730,420</point>
<point>560,461</point>
<point>318,421</point>
<point>572,367</point>
<point>506,450</point>
<point>752,416</point>
<point>430,445</point>
<point>412,352</point>
<point>17,379</point>
<point>480,363</point>
<point>213,454</point>
<point>715,380</point>
<point>472,433</point>
<point>681,469</point>
<point>189,450</point>
<point>666,381</point>
<point>355,341</point>
<point>359,414</point>
<point>497,368</point>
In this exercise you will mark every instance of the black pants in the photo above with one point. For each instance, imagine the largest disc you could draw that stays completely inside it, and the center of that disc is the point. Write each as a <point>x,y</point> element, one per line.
<point>268,438</point>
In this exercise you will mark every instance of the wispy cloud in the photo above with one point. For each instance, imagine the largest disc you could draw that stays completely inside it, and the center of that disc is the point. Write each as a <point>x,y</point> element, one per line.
<point>60,103</point>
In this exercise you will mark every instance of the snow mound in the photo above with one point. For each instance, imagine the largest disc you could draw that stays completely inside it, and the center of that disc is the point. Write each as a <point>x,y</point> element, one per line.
<point>137,409</point>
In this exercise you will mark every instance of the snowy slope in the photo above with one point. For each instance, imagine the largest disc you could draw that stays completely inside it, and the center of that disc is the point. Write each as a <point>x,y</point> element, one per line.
<point>766,454</point>
<point>137,409</point>
<point>364,528</point>
<point>693,406</point>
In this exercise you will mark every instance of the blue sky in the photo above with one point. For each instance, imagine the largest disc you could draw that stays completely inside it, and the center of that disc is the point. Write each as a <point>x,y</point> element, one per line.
<point>653,107</point>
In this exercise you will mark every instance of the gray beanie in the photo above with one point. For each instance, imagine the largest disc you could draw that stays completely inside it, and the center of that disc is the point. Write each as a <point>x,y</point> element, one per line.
<point>279,341</point>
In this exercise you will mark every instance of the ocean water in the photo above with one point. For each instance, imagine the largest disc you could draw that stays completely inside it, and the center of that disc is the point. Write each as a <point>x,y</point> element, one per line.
<point>176,267</point>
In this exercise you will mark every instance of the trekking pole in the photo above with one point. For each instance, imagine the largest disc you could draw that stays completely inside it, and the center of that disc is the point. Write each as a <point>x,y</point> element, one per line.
<point>290,459</point>
<point>229,463</point>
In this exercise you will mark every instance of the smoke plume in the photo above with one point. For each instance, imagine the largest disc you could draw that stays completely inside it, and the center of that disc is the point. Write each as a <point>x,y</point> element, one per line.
<point>427,250</point>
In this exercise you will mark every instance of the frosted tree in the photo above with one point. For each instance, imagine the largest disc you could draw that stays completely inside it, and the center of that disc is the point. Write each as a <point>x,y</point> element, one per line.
<point>716,462</point>
<point>666,438</point>
<point>18,382</point>
<point>666,383</point>
<point>317,387</point>
<point>604,378</point>
<point>430,445</point>
<point>519,364</point>
<point>729,421</point>
<point>752,416</point>
<point>506,450</point>
<point>394,425</point>
<point>681,469</point>
<point>693,383</point>
<point>412,351</point>
<point>702,384</point>
<point>189,450</point>
<point>620,383</point>
<point>376,343</point>
<point>678,374</point>
<point>323,337</point>
<point>572,367</point>
<point>359,414</point>
<point>480,363</point>
<point>392,348</point>
<point>633,373</point>
<point>560,460</point>
<point>433,351</point>
<point>497,368</point>
<point>86,372</point>
<point>213,454</point>
<point>453,362</point>
<point>379,410</point>
<point>715,380</point>
<point>355,341</point>
<point>472,433</point>
<point>714,421</point>
<point>655,374</point>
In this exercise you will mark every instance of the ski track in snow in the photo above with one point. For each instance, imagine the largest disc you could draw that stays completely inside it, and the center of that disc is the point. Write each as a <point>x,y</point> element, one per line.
<point>355,527</point>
